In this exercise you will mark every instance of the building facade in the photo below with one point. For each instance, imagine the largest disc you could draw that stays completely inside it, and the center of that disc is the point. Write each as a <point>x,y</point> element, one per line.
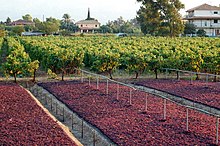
<point>22,22</point>
<point>89,25</point>
<point>205,17</point>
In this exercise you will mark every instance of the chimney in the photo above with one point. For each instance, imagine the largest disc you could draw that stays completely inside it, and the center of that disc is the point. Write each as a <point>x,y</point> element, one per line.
<point>88,17</point>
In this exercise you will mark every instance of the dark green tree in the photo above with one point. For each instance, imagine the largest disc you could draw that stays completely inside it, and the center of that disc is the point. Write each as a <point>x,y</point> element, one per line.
<point>201,33</point>
<point>17,30</point>
<point>189,28</point>
<point>27,17</point>
<point>8,21</point>
<point>154,13</point>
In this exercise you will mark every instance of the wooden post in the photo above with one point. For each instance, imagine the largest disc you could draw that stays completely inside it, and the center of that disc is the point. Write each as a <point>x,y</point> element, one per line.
<point>217,127</point>
<point>107,87</point>
<point>130,96</point>
<point>164,108</point>
<point>187,119</point>
<point>117,91</point>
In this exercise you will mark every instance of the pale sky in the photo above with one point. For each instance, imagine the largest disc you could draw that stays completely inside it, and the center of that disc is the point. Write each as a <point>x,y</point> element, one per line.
<point>103,10</point>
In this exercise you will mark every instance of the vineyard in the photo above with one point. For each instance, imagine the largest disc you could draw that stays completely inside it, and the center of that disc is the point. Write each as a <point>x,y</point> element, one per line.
<point>134,55</point>
<point>125,114</point>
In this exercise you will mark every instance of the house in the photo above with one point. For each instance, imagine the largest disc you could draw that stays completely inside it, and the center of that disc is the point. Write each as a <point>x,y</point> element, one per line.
<point>89,25</point>
<point>22,22</point>
<point>205,17</point>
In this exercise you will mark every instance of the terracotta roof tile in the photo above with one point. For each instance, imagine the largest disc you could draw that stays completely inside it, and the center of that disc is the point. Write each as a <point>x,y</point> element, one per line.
<point>204,7</point>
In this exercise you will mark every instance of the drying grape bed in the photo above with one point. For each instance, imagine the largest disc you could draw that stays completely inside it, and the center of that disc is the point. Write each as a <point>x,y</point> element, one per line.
<point>197,91</point>
<point>23,122</point>
<point>127,124</point>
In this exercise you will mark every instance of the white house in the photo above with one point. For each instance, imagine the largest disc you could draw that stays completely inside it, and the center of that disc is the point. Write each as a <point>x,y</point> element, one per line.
<point>205,17</point>
<point>89,25</point>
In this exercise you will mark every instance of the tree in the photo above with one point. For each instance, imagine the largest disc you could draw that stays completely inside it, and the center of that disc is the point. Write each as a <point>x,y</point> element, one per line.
<point>2,30</point>
<point>154,13</point>
<point>201,33</point>
<point>189,28</point>
<point>67,23</point>
<point>17,30</point>
<point>120,25</point>
<point>27,17</point>
<point>8,21</point>
<point>50,26</point>
<point>106,29</point>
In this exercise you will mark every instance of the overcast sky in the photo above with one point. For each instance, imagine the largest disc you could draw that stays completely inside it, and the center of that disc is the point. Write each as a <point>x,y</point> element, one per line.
<point>103,10</point>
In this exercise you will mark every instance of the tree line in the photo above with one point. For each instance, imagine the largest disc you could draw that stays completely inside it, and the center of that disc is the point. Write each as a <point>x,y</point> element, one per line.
<point>155,18</point>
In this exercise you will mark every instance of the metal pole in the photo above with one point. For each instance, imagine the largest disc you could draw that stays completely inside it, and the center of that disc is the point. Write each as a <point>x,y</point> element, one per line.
<point>51,103</point>
<point>94,138</point>
<point>207,79</point>
<point>97,84</point>
<point>187,119</point>
<point>107,87</point>
<point>63,114</point>
<point>164,109</point>
<point>82,128</point>
<point>190,78</point>
<point>217,127</point>
<point>130,96</point>
<point>146,102</point>
<point>82,76</point>
<point>72,120</point>
<point>117,91</point>
<point>56,108</point>
<point>166,73</point>
<point>45,97</point>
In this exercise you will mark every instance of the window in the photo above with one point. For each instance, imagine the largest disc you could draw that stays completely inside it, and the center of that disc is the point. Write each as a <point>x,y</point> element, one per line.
<point>81,25</point>
<point>205,23</point>
<point>215,21</point>
<point>96,25</point>
<point>215,12</point>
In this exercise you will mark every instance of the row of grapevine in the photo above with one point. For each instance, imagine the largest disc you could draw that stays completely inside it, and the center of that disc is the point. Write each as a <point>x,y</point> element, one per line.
<point>53,57</point>
<point>134,54</point>
<point>17,60</point>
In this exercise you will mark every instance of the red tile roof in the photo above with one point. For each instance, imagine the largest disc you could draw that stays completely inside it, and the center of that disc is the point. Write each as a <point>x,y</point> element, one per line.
<point>204,7</point>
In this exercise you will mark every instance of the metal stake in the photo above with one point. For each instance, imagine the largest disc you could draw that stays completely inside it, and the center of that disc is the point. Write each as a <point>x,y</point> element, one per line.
<point>97,84</point>
<point>166,73</point>
<point>164,109</point>
<point>130,96</point>
<point>63,114</point>
<point>217,127</point>
<point>94,138</point>
<point>82,128</point>
<point>146,102</point>
<point>107,87</point>
<point>117,91</point>
<point>207,79</point>
<point>187,119</point>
